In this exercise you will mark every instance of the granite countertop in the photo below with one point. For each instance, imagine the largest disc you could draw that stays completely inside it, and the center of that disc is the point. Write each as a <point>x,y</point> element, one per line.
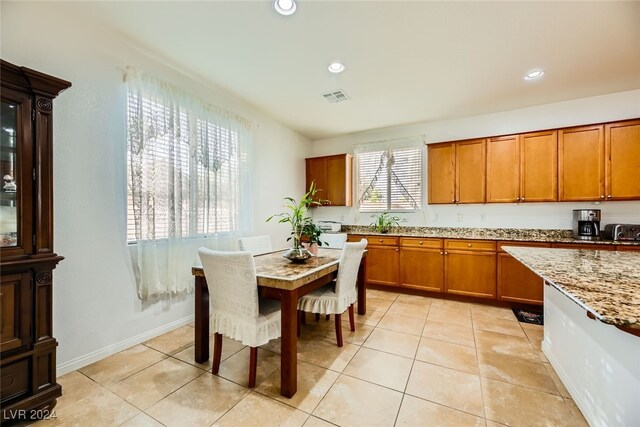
<point>605,283</point>
<point>511,234</point>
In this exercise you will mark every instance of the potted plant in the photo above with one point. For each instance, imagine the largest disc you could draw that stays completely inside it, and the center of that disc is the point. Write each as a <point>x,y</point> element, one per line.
<point>297,217</point>
<point>384,221</point>
<point>311,236</point>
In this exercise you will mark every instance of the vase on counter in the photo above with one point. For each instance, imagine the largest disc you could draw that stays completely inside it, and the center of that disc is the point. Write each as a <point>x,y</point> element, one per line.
<point>298,253</point>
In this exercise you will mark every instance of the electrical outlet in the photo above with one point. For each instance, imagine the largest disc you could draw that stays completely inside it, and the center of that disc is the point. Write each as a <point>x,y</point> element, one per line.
<point>459,217</point>
<point>483,217</point>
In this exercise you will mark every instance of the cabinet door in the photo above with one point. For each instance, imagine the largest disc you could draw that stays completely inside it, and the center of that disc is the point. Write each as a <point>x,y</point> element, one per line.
<point>441,173</point>
<point>471,171</point>
<point>422,269</point>
<point>518,283</point>
<point>317,171</point>
<point>339,180</point>
<point>15,311</point>
<point>539,167</point>
<point>581,163</point>
<point>622,146</point>
<point>503,169</point>
<point>382,265</point>
<point>16,162</point>
<point>470,273</point>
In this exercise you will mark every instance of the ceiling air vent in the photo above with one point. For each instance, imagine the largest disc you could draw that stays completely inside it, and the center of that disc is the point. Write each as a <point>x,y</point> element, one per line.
<point>336,96</point>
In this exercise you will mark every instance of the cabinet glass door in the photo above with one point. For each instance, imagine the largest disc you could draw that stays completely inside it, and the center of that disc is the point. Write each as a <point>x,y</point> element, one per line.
<point>9,192</point>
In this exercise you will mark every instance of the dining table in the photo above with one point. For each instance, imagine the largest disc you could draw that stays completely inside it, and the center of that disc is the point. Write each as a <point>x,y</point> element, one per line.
<point>280,279</point>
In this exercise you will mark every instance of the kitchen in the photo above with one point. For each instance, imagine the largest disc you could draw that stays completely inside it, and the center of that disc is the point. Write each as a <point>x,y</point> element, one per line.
<point>96,282</point>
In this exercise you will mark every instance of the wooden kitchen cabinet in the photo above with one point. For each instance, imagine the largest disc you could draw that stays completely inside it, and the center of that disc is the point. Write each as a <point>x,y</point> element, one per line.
<point>441,164</point>
<point>581,164</point>
<point>422,264</point>
<point>622,160</point>
<point>516,282</point>
<point>539,166</point>
<point>470,268</point>
<point>457,172</point>
<point>383,257</point>
<point>503,169</point>
<point>333,178</point>
<point>470,171</point>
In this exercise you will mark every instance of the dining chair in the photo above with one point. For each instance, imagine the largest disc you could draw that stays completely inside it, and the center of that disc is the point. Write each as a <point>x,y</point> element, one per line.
<point>256,244</point>
<point>236,310</point>
<point>333,241</point>
<point>336,297</point>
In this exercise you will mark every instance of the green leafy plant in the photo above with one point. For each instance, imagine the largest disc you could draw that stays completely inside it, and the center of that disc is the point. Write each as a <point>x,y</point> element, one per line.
<point>297,214</point>
<point>384,222</point>
<point>311,232</point>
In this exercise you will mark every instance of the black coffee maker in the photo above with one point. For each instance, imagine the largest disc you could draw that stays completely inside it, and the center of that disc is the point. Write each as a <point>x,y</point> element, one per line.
<point>586,224</point>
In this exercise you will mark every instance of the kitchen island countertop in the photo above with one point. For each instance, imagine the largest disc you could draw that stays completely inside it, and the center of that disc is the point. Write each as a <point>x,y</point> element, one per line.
<point>605,283</point>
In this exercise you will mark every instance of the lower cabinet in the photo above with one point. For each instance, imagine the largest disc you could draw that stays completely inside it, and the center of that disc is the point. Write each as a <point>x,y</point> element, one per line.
<point>383,258</point>
<point>516,282</point>
<point>422,264</point>
<point>470,268</point>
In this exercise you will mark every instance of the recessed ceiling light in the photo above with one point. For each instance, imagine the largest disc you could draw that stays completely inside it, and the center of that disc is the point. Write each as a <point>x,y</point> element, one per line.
<point>535,74</point>
<point>285,7</point>
<point>336,67</point>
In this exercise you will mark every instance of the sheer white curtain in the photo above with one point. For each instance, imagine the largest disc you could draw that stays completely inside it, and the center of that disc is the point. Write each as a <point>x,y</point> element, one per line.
<point>188,182</point>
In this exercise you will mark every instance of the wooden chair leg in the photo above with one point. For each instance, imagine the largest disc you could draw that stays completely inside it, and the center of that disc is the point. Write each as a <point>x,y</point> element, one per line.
<point>327,317</point>
<point>253,366</point>
<point>339,329</point>
<point>303,316</point>
<point>217,353</point>
<point>352,322</point>
<point>300,314</point>
<point>317,317</point>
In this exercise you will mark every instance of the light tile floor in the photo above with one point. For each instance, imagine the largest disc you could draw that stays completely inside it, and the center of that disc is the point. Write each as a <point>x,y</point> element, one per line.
<point>413,361</point>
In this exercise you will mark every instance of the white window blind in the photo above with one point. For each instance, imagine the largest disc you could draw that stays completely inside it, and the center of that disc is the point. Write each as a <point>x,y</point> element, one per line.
<point>390,176</point>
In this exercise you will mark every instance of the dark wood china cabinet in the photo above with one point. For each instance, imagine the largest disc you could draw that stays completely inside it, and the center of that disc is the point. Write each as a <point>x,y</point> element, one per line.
<point>27,346</point>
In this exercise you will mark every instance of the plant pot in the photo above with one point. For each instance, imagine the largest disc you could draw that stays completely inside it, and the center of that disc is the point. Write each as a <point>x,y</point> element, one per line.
<point>311,247</point>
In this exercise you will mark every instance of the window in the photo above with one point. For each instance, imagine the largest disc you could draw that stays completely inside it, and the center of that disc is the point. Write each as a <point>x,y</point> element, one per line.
<point>390,176</point>
<point>184,168</point>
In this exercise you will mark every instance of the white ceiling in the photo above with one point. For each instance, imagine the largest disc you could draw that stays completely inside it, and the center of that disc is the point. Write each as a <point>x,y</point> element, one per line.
<point>406,62</point>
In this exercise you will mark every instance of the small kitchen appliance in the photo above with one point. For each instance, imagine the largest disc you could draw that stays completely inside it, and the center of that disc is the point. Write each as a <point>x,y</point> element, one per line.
<point>330,226</point>
<point>622,232</point>
<point>586,224</point>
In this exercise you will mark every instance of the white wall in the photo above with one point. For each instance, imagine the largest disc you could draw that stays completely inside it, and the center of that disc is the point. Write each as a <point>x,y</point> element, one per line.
<point>96,308</point>
<point>616,106</point>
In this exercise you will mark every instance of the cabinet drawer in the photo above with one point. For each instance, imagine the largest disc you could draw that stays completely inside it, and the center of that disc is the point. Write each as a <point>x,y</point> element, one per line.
<point>354,238</point>
<point>382,241</point>
<point>470,245</point>
<point>527,244</point>
<point>421,243</point>
<point>14,379</point>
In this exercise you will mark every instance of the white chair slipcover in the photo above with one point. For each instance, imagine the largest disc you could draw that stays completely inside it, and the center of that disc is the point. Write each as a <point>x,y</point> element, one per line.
<point>256,245</point>
<point>335,299</point>
<point>236,310</point>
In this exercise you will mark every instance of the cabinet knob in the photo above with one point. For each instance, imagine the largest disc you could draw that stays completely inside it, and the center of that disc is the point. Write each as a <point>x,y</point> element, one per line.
<point>609,196</point>
<point>441,253</point>
<point>381,240</point>
<point>396,250</point>
<point>446,253</point>
<point>522,199</point>
<point>453,200</point>
<point>420,242</point>
<point>469,244</point>
<point>517,199</point>
<point>602,197</point>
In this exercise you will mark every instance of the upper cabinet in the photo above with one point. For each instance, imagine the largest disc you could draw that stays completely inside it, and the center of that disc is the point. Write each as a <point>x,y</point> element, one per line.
<point>622,160</point>
<point>539,167</point>
<point>332,175</point>
<point>584,163</point>
<point>581,163</point>
<point>457,172</point>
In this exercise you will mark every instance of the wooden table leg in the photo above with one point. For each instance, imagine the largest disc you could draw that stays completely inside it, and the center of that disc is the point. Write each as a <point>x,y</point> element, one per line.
<point>202,320</point>
<point>362,287</point>
<point>289,344</point>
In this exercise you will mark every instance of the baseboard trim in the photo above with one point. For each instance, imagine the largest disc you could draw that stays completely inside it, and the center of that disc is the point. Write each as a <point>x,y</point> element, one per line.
<point>100,354</point>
